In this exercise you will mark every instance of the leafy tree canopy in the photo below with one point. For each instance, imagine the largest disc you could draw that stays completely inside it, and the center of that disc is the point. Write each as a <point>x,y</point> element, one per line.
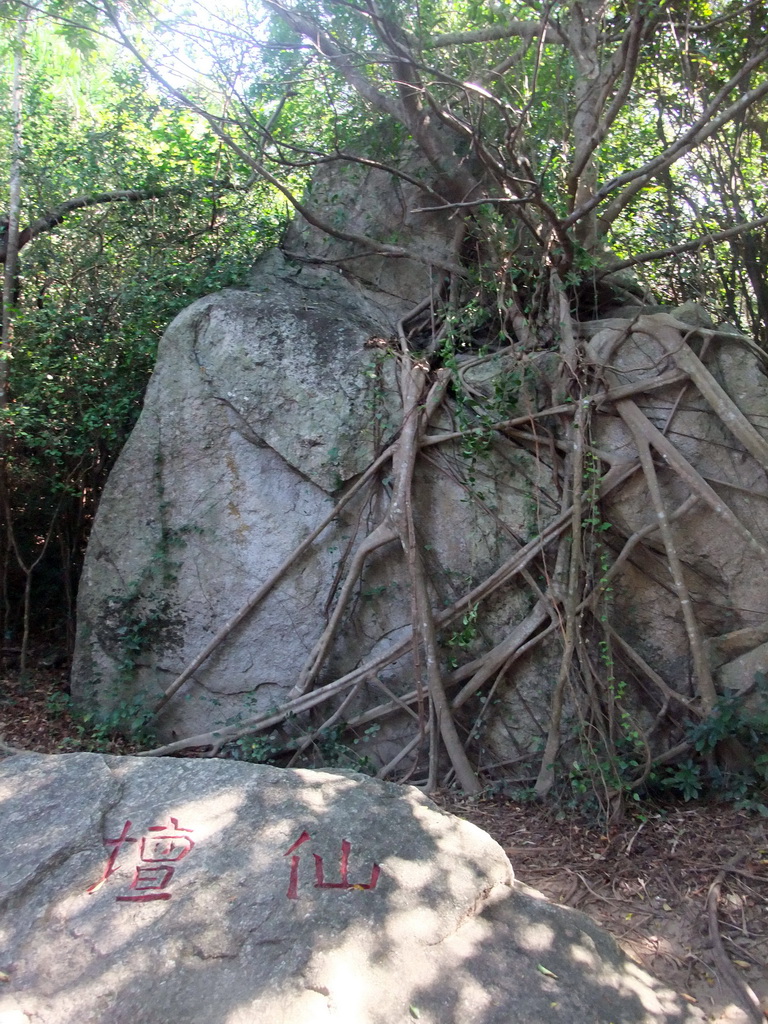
<point>583,137</point>
<point>128,209</point>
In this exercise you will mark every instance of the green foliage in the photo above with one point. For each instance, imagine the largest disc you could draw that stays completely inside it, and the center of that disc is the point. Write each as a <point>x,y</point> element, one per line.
<point>623,766</point>
<point>334,750</point>
<point>128,723</point>
<point>609,765</point>
<point>143,615</point>
<point>730,719</point>
<point>255,749</point>
<point>477,415</point>
<point>129,719</point>
<point>746,783</point>
<point>464,638</point>
<point>686,779</point>
<point>97,290</point>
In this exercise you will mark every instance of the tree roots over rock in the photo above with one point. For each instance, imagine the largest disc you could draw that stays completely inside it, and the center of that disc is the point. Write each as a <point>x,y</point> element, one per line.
<point>641,509</point>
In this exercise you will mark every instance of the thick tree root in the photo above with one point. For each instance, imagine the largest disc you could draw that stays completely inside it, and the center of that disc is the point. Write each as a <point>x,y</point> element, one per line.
<point>569,602</point>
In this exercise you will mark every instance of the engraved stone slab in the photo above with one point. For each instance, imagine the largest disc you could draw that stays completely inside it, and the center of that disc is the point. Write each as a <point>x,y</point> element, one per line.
<point>141,891</point>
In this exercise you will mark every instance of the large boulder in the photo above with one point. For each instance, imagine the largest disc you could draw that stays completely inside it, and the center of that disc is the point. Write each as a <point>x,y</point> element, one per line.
<point>138,891</point>
<point>267,404</point>
<point>264,405</point>
<point>260,408</point>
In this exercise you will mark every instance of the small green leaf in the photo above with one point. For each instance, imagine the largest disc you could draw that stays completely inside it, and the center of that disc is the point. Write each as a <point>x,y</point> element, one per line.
<point>545,971</point>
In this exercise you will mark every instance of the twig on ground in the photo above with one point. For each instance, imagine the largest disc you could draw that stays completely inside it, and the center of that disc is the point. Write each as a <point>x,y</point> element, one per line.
<point>741,989</point>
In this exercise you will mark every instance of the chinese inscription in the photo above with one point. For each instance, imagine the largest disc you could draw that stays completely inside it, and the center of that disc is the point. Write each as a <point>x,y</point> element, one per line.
<point>320,882</point>
<point>158,852</point>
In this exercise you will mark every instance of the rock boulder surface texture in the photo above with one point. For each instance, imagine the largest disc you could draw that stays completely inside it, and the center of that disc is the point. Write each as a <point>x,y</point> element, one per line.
<point>269,404</point>
<point>264,404</point>
<point>259,410</point>
<point>138,891</point>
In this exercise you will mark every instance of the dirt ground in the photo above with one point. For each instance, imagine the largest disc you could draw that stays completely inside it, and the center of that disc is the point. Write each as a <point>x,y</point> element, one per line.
<point>683,888</point>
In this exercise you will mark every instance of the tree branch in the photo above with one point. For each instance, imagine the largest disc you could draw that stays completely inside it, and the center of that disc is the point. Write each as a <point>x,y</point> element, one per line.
<point>624,58</point>
<point>509,30</point>
<point>702,129</point>
<point>676,250</point>
<point>341,59</point>
<point>54,217</point>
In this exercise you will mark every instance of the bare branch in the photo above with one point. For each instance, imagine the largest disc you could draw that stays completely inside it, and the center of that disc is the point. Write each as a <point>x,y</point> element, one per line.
<point>508,30</point>
<point>572,550</point>
<point>707,26</point>
<point>705,126</point>
<point>721,402</point>
<point>676,250</point>
<point>54,217</point>
<point>476,202</point>
<point>343,60</point>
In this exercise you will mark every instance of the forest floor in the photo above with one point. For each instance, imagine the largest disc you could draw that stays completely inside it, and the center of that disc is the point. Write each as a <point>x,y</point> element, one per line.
<point>682,887</point>
<point>647,881</point>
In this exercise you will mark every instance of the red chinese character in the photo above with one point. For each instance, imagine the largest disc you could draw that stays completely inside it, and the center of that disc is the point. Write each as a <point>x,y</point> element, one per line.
<point>168,846</point>
<point>116,845</point>
<point>320,883</point>
<point>146,882</point>
<point>293,884</point>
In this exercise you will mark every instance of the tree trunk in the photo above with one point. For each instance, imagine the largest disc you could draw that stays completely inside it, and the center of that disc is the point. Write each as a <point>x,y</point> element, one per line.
<point>14,210</point>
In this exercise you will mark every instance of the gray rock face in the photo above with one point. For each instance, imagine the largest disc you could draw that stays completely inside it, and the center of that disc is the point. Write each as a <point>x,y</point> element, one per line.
<point>262,406</point>
<point>140,892</point>
<point>401,214</point>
